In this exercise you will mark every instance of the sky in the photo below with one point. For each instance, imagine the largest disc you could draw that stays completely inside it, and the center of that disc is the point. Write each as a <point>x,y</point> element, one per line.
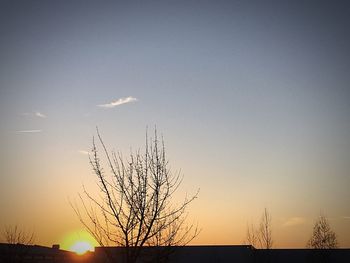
<point>251,97</point>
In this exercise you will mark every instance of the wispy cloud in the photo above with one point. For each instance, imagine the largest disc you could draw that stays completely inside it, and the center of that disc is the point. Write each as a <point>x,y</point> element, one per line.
<point>294,221</point>
<point>28,131</point>
<point>83,152</point>
<point>35,114</point>
<point>346,217</point>
<point>118,102</point>
<point>39,114</point>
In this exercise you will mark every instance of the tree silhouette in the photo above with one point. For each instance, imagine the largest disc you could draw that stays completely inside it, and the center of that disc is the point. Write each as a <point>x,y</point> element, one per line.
<point>265,232</point>
<point>323,237</point>
<point>261,237</point>
<point>17,241</point>
<point>14,235</point>
<point>252,236</point>
<point>134,207</point>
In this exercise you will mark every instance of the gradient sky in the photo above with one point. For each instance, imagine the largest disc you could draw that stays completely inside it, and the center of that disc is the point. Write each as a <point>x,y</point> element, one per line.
<point>252,98</point>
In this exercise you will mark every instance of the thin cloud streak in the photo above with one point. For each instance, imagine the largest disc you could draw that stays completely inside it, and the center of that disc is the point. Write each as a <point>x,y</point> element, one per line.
<point>83,152</point>
<point>294,221</point>
<point>28,131</point>
<point>35,114</point>
<point>118,102</point>
<point>40,115</point>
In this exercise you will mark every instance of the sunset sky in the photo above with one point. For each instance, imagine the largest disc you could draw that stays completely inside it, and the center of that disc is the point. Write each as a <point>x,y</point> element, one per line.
<point>252,98</point>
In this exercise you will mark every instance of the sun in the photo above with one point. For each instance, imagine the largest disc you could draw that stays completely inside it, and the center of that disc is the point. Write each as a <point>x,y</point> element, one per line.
<point>81,247</point>
<point>78,241</point>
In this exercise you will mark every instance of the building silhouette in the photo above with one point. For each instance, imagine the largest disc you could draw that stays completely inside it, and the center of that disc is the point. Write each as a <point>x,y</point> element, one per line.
<point>16,253</point>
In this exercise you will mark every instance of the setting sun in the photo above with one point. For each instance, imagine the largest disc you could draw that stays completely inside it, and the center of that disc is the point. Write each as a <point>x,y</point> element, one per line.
<point>78,241</point>
<point>81,247</point>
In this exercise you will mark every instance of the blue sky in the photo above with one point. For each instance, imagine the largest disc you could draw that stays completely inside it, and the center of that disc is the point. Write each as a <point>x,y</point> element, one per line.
<point>252,99</point>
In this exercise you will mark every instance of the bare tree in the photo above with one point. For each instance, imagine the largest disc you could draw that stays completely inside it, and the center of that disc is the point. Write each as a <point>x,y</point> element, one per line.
<point>18,242</point>
<point>323,237</point>
<point>252,236</point>
<point>14,235</point>
<point>261,237</point>
<point>134,207</point>
<point>265,232</point>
